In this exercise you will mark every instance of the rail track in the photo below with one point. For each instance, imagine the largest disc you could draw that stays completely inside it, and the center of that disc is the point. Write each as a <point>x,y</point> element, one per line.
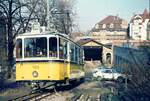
<point>76,93</point>
<point>85,97</point>
<point>40,94</point>
<point>33,97</point>
<point>36,94</point>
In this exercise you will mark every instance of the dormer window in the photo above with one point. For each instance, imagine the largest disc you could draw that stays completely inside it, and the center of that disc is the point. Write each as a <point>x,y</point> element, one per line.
<point>97,26</point>
<point>104,26</point>
<point>111,25</point>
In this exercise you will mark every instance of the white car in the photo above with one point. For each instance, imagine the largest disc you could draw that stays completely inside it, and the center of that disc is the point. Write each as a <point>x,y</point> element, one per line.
<point>98,68</point>
<point>110,74</point>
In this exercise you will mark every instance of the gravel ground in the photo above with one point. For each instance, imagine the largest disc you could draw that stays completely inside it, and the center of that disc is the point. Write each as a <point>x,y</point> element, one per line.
<point>65,93</point>
<point>11,89</point>
<point>59,97</point>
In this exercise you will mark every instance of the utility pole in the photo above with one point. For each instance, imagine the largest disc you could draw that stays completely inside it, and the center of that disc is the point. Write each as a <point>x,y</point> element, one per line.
<point>48,15</point>
<point>64,18</point>
<point>50,25</point>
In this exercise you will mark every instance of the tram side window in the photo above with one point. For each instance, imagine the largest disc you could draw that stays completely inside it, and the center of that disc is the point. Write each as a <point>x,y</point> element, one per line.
<point>65,49</point>
<point>76,54</point>
<point>81,56</point>
<point>53,47</point>
<point>35,47</point>
<point>19,48</point>
<point>72,52</point>
<point>62,49</point>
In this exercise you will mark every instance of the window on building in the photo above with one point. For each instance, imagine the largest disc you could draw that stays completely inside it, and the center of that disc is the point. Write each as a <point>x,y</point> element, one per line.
<point>111,25</point>
<point>104,26</point>
<point>135,33</point>
<point>108,58</point>
<point>97,26</point>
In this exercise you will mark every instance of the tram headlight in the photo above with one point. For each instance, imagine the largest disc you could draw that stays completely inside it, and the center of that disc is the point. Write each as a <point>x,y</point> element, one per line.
<point>35,74</point>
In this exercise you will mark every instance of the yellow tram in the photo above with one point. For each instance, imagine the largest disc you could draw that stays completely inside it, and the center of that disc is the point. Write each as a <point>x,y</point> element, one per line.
<point>45,57</point>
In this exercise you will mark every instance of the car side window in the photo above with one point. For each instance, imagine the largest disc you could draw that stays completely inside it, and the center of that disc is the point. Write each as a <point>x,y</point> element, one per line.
<point>108,71</point>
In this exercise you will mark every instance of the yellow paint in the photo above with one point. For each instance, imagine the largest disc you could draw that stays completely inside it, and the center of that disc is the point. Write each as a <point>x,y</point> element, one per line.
<point>76,71</point>
<point>46,70</point>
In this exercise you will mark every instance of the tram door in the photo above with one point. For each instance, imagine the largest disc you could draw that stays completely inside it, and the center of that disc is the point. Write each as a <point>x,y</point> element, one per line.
<point>66,48</point>
<point>63,47</point>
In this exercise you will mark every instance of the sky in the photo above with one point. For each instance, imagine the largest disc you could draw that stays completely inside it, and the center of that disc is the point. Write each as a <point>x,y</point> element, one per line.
<point>90,12</point>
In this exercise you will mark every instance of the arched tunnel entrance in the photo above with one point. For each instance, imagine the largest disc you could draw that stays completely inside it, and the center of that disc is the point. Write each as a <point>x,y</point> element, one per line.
<point>93,53</point>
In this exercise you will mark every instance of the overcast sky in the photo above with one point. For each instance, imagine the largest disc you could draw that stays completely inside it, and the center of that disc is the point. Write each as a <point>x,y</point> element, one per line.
<point>89,12</point>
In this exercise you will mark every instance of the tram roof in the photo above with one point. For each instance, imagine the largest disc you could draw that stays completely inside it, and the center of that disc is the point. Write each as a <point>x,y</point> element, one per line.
<point>29,34</point>
<point>42,34</point>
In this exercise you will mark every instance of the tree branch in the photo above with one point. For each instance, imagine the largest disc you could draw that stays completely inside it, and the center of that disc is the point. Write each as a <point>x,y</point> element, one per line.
<point>5,10</point>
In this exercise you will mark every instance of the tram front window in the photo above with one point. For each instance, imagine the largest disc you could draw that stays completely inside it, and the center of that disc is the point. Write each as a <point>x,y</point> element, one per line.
<point>35,47</point>
<point>53,47</point>
<point>19,48</point>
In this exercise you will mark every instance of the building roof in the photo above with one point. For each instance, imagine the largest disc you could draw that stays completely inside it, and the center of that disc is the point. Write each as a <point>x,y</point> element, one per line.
<point>87,40</point>
<point>84,41</point>
<point>115,21</point>
<point>110,19</point>
<point>76,34</point>
<point>145,15</point>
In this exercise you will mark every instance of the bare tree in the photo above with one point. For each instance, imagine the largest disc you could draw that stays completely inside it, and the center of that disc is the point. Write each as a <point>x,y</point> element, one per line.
<point>19,14</point>
<point>16,22</point>
<point>36,12</point>
<point>63,16</point>
<point>61,12</point>
<point>10,9</point>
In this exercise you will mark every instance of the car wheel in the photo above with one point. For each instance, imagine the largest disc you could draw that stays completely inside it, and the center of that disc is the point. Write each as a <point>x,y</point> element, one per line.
<point>120,79</point>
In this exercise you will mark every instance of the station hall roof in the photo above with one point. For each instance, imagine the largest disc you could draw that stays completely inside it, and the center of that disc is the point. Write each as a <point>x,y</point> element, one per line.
<point>88,40</point>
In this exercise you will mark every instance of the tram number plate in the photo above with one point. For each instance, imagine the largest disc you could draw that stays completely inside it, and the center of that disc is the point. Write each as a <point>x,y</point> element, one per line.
<point>36,66</point>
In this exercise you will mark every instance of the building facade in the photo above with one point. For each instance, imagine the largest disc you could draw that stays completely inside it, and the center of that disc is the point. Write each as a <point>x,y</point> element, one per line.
<point>148,30</point>
<point>97,52</point>
<point>139,26</point>
<point>109,29</point>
